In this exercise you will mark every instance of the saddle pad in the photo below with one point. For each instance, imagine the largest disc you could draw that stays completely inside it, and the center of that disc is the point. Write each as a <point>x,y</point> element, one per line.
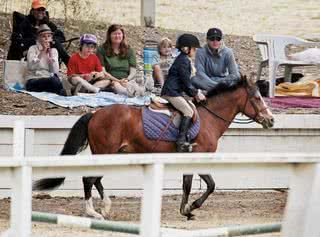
<point>154,125</point>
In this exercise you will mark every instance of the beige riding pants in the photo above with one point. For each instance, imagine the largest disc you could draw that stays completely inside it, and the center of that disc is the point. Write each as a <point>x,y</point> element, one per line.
<point>180,104</point>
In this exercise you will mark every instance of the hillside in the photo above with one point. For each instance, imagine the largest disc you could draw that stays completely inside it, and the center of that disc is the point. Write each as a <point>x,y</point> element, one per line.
<point>246,52</point>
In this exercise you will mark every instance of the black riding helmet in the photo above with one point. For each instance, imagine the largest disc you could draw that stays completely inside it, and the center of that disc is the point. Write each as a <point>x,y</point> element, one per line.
<point>187,40</point>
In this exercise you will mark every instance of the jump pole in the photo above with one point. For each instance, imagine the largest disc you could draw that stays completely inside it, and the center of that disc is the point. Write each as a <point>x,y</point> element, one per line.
<point>228,231</point>
<point>75,221</point>
<point>121,227</point>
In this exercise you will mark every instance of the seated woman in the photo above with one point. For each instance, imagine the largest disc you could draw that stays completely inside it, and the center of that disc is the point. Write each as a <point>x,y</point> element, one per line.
<point>84,68</point>
<point>43,64</point>
<point>162,63</point>
<point>215,63</point>
<point>118,59</point>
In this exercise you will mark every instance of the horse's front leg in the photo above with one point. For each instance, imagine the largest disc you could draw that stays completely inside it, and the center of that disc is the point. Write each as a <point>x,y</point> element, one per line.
<point>105,198</point>
<point>87,185</point>
<point>186,187</point>
<point>210,188</point>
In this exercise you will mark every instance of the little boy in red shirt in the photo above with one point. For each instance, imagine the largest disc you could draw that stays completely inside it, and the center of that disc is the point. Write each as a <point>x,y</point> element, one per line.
<point>84,68</point>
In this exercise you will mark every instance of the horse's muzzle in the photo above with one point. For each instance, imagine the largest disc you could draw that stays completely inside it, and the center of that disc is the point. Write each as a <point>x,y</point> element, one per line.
<point>267,122</point>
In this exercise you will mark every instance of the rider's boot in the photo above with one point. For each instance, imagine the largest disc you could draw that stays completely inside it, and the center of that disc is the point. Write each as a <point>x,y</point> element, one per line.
<point>183,144</point>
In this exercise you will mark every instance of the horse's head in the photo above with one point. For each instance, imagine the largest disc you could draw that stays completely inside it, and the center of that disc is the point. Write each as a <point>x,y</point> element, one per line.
<point>254,106</point>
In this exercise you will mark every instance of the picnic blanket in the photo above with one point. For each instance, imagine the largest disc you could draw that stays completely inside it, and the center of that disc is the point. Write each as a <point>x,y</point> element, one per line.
<point>286,102</point>
<point>90,100</point>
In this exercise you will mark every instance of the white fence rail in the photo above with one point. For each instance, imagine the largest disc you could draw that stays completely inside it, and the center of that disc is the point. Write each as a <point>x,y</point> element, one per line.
<point>302,211</point>
<point>45,136</point>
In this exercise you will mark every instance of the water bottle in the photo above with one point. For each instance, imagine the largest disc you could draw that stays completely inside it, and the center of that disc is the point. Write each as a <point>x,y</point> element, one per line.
<point>150,55</point>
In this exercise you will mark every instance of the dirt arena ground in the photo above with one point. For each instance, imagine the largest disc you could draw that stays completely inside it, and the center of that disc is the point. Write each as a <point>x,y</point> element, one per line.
<point>221,209</point>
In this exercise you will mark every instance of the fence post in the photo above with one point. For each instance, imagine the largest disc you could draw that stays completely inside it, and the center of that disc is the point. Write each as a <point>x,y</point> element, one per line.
<point>151,200</point>
<point>29,141</point>
<point>21,195</point>
<point>18,139</point>
<point>302,212</point>
<point>21,202</point>
<point>148,13</point>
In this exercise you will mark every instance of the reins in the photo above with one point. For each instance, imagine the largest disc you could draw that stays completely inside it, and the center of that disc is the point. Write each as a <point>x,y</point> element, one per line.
<point>237,120</point>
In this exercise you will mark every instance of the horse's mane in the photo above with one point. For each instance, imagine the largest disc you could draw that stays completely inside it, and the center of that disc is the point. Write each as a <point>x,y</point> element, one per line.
<point>225,87</point>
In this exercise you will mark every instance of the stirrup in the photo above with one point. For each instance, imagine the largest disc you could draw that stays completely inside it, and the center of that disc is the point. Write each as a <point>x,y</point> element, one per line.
<point>184,147</point>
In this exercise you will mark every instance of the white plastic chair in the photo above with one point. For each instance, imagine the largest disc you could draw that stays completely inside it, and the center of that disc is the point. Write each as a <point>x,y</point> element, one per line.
<point>272,49</point>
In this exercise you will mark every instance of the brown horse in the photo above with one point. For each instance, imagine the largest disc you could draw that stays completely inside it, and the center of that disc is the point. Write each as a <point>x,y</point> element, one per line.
<point>223,104</point>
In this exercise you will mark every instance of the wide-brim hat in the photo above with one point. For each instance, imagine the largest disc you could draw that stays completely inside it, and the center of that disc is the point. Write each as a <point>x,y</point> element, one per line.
<point>44,28</point>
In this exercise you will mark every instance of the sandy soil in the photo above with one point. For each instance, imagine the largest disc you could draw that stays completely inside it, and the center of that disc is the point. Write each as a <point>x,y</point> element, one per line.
<point>221,209</point>
<point>246,53</point>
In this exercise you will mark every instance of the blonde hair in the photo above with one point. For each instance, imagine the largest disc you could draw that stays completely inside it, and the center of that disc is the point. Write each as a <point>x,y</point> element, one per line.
<point>164,43</point>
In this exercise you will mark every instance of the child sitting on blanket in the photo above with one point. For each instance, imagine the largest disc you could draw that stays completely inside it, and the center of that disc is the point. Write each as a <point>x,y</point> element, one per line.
<point>84,68</point>
<point>163,63</point>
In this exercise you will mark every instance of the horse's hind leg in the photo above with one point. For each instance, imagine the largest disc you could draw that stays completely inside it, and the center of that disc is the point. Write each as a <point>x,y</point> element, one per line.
<point>186,186</point>
<point>210,188</point>
<point>87,185</point>
<point>105,198</point>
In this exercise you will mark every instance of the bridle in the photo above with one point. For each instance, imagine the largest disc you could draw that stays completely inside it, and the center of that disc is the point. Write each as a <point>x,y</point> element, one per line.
<point>249,98</point>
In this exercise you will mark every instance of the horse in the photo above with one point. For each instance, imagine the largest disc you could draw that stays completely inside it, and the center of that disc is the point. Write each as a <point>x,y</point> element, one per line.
<point>222,105</point>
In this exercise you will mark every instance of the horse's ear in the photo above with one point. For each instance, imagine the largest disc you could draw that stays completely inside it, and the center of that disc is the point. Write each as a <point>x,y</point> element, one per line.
<point>243,77</point>
<point>251,79</point>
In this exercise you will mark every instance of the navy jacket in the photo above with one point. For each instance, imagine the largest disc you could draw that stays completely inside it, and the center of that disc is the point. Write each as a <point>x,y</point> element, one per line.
<point>178,80</point>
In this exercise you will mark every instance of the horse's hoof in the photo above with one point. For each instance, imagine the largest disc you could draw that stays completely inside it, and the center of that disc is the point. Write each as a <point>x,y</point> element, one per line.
<point>105,215</point>
<point>187,209</point>
<point>95,215</point>
<point>191,217</point>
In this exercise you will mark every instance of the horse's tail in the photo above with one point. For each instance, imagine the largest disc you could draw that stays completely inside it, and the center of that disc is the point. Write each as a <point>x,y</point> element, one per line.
<point>76,142</point>
<point>77,139</point>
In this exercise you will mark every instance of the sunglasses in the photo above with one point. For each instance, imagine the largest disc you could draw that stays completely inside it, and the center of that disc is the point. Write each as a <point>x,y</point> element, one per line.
<point>215,39</point>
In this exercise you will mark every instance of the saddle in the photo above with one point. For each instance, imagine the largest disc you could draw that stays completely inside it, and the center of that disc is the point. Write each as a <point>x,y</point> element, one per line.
<point>160,105</point>
<point>161,121</point>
